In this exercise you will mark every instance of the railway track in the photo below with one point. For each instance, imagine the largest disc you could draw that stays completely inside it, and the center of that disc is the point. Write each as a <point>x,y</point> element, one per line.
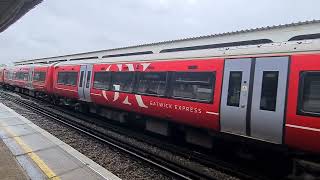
<point>172,168</point>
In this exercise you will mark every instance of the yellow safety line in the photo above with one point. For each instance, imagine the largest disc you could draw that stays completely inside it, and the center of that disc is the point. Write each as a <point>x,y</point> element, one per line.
<point>41,164</point>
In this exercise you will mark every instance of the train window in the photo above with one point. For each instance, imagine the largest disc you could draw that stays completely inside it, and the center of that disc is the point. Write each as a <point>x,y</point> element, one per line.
<point>22,76</point>
<point>39,76</point>
<point>197,86</point>
<point>61,77</point>
<point>269,90</point>
<point>81,78</point>
<point>8,75</point>
<point>234,90</point>
<point>88,79</point>
<point>101,80</point>
<point>153,83</point>
<point>71,78</point>
<point>67,78</point>
<point>309,96</point>
<point>122,81</point>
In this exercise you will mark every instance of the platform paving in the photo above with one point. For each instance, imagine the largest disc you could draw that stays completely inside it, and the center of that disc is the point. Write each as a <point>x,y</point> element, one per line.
<point>9,166</point>
<point>29,152</point>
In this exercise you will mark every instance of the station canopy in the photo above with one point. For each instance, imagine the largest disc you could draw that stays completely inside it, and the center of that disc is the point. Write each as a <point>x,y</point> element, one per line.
<point>13,10</point>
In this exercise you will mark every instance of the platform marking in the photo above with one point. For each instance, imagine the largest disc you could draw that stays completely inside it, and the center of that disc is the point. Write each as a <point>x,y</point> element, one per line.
<point>40,163</point>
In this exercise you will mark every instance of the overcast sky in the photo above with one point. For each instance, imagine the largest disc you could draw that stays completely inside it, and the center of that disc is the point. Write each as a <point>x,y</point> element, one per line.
<point>59,27</point>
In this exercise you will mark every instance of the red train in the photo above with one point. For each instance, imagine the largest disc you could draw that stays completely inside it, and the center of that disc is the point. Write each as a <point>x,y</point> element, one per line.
<point>271,98</point>
<point>2,75</point>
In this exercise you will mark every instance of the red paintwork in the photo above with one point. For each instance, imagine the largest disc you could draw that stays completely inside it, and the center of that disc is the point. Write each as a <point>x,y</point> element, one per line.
<point>5,78</point>
<point>20,83</point>
<point>63,90</point>
<point>2,75</point>
<point>36,85</point>
<point>45,86</point>
<point>297,137</point>
<point>180,110</point>
<point>175,110</point>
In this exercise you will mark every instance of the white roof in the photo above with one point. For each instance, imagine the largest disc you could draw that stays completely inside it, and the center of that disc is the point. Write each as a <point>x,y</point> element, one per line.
<point>270,34</point>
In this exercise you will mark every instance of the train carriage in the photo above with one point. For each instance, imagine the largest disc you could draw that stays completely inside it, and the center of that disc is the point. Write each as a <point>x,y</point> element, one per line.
<point>207,93</point>
<point>185,91</point>
<point>255,90</point>
<point>32,79</point>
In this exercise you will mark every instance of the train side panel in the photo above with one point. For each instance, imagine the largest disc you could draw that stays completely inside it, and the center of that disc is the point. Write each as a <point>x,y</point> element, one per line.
<point>21,76</point>
<point>182,110</point>
<point>2,75</point>
<point>303,107</point>
<point>49,80</point>
<point>65,81</point>
<point>40,78</point>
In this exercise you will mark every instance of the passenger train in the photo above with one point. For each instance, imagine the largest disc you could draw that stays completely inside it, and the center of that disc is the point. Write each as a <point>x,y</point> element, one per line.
<point>265,93</point>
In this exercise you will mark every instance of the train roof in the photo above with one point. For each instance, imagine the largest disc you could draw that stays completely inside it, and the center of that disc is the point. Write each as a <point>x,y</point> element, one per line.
<point>271,49</point>
<point>265,35</point>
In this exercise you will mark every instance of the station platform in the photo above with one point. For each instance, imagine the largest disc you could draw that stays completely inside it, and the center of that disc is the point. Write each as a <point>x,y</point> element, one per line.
<point>29,152</point>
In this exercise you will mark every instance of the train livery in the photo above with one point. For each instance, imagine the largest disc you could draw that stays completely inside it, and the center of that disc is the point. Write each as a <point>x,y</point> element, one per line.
<point>271,98</point>
<point>263,92</point>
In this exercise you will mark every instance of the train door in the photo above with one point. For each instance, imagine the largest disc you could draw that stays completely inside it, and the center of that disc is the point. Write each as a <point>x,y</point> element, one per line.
<point>85,83</point>
<point>30,78</point>
<point>254,96</point>
<point>234,100</point>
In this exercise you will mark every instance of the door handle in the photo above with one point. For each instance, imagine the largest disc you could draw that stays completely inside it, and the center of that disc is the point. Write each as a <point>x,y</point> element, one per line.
<point>243,106</point>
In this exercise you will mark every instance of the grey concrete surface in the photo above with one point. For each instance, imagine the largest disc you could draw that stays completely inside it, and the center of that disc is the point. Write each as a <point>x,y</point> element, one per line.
<point>33,153</point>
<point>9,167</point>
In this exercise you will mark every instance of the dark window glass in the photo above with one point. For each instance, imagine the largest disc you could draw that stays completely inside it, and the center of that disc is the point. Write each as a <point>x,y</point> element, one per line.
<point>101,80</point>
<point>39,76</point>
<point>269,90</point>
<point>81,78</point>
<point>122,81</point>
<point>310,93</point>
<point>9,75</point>
<point>67,78</point>
<point>88,79</point>
<point>153,83</point>
<point>17,76</point>
<point>61,77</point>
<point>72,78</point>
<point>234,90</point>
<point>196,86</point>
<point>24,76</point>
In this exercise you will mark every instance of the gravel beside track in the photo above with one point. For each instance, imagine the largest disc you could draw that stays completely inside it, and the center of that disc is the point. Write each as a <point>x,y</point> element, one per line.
<point>117,162</point>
